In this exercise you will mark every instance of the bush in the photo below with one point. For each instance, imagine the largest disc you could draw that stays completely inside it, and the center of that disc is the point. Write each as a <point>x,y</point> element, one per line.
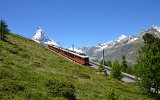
<point>12,86</point>
<point>1,58</point>
<point>4,73</point>
<point>81,75</point>
<point>12,51</point>
<point>112,96</point>
<point>64,89</point>
<point>25,56</point>
<point>34,94</point>
<point>36,64</point>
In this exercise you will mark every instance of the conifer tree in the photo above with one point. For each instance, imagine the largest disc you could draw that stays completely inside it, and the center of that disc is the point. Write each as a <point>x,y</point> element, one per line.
<point>109,63</point>
<point>148,67</point>
<point>116,70</point>
<point>124,64</point>
<point>3,30</point>
<point>101,67</point>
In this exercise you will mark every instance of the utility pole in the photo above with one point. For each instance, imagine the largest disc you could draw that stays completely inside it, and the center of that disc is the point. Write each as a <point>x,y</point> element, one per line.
<point>73,46</point>
<point>103,57</point>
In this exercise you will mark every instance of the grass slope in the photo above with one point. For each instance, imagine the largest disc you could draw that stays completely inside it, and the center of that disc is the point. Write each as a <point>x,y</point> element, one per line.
<point>30,71</point>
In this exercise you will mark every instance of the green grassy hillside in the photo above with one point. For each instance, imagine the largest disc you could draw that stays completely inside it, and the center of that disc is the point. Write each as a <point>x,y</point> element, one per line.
<point>30,71</point>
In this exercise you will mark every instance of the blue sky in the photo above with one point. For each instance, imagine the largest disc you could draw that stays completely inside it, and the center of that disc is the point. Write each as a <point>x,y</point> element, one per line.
<point>80,22</point>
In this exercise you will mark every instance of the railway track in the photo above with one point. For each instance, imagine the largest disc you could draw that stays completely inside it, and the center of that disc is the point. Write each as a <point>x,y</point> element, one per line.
<point>127,78</point>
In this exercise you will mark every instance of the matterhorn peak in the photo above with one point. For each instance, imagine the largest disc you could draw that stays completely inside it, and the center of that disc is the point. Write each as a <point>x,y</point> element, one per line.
<point>41,38</point>
<point>38,35</point>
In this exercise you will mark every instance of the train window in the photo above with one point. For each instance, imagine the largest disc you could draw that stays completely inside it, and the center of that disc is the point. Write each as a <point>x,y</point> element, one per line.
<point>75,56</point>
<point>71,55</point>
<point>86,59</point>
<point>82,54</point>
<point>65,52</point>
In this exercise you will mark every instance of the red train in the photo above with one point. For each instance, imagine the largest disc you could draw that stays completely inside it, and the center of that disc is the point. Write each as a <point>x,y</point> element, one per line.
<point>78,57</point>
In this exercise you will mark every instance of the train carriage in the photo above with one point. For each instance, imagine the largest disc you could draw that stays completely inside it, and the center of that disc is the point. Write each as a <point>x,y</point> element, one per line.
<point>80,58</point>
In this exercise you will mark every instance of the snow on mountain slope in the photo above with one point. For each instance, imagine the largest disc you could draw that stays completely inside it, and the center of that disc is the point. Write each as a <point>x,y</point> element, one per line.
<point>122,37</point>
<point>41,38</point>
<point>121,40</point>
<point>157,28</point>
<point>76,50</point>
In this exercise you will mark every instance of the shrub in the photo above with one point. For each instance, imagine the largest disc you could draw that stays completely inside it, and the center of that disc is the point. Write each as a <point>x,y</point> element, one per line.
<point>34,94</point>
<point>4,73</point>
<point>36,64</point>
<point>81,75</point>
<point>12,51</point>
<point>112,96</point>
<point>1,58</point>
<point>25,56</point>
<point>65,89</point>
<point>12,86</point>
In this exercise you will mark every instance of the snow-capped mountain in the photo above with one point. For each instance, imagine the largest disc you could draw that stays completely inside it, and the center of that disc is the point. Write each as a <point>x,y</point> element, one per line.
<point>121,38</point>
<point>124,45</point>
<point>156,28</point>
<point>41,38</point>
<point>120,41</point>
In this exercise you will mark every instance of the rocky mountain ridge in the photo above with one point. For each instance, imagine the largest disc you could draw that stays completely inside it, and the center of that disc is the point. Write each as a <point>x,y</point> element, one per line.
<point>124,45</point>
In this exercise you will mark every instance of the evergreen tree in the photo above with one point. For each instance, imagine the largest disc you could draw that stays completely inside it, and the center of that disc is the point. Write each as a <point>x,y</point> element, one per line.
<point>106,63</point>
<point>3,29</point>
<point>103,62</point>
<point>130,70</point>
<point>148,67</point>
<point>109,63</point>
<point>101,67</point>
<point>116,70</point>
<point>124,64</point>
